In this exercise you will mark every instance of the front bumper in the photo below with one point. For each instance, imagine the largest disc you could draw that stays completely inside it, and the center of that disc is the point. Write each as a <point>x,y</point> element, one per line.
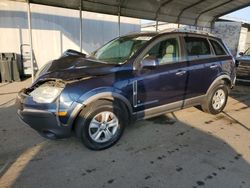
<point>243,71</point>
<point>45,122</point>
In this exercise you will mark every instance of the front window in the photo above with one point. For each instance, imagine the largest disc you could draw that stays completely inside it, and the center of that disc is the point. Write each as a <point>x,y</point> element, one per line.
<point>121,49</point>
<point>164,52</point>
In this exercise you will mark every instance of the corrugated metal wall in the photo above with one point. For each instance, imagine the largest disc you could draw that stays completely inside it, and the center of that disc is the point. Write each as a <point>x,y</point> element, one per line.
<point>233,34</point>
<point>57,29</point>
<point>230,33</point>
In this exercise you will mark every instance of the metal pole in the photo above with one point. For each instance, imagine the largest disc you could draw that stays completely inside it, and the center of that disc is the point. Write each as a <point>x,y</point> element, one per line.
<point>212,25</point>
<point>119,21</point>
<point>156,26</point>
<point>80,12</point>
<point>31,43</point>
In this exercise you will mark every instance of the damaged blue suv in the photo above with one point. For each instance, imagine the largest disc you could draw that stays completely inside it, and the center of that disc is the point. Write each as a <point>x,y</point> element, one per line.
<point>132,77</point>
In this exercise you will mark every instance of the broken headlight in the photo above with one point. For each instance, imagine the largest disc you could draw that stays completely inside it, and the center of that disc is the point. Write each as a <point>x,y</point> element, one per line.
<point>46,93</point>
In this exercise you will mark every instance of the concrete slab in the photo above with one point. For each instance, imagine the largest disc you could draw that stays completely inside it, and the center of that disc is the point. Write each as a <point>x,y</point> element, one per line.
<point>8,91</point>
<point>187,148</point>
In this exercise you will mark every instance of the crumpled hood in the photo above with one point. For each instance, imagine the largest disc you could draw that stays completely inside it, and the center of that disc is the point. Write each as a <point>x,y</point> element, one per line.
<point>75,66</point>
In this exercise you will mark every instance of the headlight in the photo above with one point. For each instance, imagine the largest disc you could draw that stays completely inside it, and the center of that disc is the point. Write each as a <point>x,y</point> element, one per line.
<point>45,93</point>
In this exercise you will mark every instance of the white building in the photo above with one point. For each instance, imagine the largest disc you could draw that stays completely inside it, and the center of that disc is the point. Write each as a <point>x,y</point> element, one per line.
<point>55,30</point>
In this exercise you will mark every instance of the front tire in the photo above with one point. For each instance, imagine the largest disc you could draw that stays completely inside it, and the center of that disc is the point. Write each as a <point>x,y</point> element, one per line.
<point>216,99</point>
<point>101,124</point>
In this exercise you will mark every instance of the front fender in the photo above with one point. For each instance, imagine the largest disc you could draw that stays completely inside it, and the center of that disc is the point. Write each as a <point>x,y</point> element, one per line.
<point>105,93</point>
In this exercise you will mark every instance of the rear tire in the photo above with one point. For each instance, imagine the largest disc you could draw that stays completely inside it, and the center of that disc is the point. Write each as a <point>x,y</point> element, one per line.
<point>216,99</point>
<point>101,124</point>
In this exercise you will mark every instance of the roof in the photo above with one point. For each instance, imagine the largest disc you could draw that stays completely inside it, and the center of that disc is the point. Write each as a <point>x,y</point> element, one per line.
<point>190,12</point>
<point>171,31</point>
<point>185,30</point>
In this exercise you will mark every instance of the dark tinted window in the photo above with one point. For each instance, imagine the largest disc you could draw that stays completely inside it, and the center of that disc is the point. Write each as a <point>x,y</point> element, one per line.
<point>164,52</point>
<point>197,47</point>
<point>217,48</point>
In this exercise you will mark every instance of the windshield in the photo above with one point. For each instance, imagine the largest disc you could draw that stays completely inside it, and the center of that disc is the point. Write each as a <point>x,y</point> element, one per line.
<point>119,50</point>
<point>247,52</point>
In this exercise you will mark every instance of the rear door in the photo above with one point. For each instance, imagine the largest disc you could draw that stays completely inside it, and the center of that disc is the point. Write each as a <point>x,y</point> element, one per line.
<point>203,65</point>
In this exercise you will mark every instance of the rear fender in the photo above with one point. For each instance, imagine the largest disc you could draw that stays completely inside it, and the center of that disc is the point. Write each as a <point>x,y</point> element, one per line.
<point>218,79</point>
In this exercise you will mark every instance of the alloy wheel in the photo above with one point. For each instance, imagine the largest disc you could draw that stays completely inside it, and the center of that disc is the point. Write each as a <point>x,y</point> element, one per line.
<point>103,127</point>
<point>218,99</point>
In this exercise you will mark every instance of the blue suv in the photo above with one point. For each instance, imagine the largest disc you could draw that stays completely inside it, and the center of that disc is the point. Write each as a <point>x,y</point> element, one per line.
<point>132,77</point>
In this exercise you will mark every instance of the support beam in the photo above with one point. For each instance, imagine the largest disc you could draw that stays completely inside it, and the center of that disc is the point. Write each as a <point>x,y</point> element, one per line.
<point>80,15</point>
<point>137,9</point>
<point>158,12</point>
<point>186,8</point>
<point>119,21</point>
<point>211,27</point>
<point>160,6</point>
<point>31,43</point>
<point>210,9</point>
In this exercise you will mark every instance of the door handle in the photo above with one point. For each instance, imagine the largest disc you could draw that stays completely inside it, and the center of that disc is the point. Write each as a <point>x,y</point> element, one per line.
<point>180,73</point>
<point>213,66</point>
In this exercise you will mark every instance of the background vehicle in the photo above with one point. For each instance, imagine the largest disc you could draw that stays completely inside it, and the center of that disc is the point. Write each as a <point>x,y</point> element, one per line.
<point>132,77</point>
<point>243,69</point>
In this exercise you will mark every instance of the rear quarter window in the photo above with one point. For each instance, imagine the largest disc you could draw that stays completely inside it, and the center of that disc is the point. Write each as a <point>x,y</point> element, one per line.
<point>197,47</point>
<point>218,49</point>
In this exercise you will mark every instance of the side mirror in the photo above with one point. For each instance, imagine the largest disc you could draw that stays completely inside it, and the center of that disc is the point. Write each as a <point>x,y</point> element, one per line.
<point>149,62</point>
<point>241,53</point>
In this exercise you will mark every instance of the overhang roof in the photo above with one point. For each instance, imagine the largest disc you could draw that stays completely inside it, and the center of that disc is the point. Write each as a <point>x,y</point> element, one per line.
<point>189,12</point>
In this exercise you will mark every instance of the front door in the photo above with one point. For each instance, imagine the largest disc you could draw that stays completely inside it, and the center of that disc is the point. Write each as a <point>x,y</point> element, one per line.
<point>163,83</point>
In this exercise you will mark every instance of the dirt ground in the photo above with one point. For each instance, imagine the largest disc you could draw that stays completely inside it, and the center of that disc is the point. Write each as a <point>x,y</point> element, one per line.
<point>187,148</point>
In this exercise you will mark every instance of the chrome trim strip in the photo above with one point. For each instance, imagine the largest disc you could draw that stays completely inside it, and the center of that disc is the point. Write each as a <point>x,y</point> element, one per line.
<point>234,81</point>
<point>73,115</point>
<point>135,93</point>
<point>57,110</point>
<point>146,103</point>
<point>31,110</point>
<point>243,80</point>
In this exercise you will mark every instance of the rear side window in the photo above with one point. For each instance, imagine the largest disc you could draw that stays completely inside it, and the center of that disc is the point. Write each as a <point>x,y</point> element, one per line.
<point>197,47</point>
<point>217,48</point>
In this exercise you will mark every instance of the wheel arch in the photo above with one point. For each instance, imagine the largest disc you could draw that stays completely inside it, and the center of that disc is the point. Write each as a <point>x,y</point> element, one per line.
<point>112,96</point>
<point>224,78</point>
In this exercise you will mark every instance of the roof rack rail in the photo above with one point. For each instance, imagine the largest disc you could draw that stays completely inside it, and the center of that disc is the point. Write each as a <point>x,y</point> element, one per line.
<point>187,30</point>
